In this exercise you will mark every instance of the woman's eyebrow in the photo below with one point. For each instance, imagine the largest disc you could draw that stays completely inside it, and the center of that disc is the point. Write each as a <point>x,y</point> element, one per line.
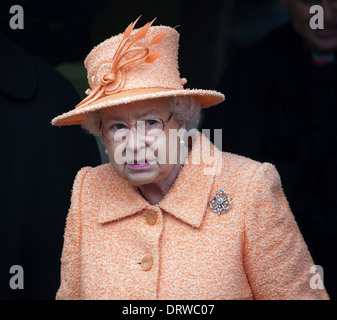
<point>139,116</point>
<point>114,119</point>
<point>147,113</point>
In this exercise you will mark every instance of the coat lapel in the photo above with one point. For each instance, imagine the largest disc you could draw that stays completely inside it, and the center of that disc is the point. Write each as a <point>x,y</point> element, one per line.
<point>119,198</point>
<point>188,199</point>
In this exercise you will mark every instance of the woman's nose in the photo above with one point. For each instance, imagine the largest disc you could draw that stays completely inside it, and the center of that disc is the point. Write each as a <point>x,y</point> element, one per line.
<point>135,139</point>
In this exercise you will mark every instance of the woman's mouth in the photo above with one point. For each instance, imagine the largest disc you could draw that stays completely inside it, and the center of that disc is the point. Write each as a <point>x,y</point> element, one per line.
<point>138,166</point>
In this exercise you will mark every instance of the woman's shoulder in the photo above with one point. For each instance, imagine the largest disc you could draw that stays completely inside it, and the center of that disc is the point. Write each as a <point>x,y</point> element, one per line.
<point>96,174</point>
<point>232,161</point>
<point>245,180</point>
<point>235,164</point>
<point>240,170</point>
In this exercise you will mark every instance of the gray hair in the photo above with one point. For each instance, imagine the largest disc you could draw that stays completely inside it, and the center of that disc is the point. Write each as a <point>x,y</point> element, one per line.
<point>185,109</point>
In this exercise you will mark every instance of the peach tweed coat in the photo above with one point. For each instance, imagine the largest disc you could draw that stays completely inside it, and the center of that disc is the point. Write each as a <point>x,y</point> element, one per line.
<point>253,251</point>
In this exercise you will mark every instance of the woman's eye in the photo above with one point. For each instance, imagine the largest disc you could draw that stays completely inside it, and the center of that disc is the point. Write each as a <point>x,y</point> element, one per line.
<point>118,126</point>
<point>151,123</point>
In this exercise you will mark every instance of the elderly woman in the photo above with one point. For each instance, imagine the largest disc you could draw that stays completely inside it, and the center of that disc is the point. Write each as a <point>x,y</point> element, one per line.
<point>171,216</point>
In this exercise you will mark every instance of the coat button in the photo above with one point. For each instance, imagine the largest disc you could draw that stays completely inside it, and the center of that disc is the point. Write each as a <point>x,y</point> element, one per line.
<point>147,263</point>
<point>151,217</point>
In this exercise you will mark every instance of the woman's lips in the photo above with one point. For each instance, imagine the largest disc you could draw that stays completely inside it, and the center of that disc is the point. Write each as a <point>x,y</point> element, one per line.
<point>138,166</point>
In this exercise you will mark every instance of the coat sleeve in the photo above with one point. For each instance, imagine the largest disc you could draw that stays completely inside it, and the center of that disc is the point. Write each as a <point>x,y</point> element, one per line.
<point>71,260</point>
<point>276,258</point>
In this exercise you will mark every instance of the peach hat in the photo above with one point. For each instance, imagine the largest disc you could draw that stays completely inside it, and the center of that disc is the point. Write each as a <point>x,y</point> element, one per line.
<point>139,64</point>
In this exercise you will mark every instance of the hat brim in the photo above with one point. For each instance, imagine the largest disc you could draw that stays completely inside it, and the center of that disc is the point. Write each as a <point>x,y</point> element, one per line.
<point>206,98</point>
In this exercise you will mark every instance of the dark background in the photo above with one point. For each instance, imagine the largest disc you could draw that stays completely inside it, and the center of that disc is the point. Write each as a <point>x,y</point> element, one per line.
<point>62,32</point>
<point>212,32</point>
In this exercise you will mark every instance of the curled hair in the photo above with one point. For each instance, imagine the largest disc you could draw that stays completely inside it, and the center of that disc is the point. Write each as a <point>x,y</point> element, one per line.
<point>91,122</point>
<point>185,109</point>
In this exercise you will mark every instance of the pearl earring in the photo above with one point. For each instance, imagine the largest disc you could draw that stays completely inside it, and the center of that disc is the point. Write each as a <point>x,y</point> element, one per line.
<point>106,152</point>
<point>182,141</point>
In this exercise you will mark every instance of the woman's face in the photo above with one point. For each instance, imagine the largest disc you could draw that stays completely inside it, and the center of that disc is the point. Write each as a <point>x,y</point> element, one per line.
<point>320,41</point>
<point>136,157</point>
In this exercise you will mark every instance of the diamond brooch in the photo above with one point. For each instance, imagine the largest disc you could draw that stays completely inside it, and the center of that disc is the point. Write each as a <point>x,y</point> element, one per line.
<point>221,202</point>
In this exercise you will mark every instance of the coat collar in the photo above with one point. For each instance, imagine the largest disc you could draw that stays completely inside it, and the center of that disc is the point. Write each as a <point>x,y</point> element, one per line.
<point>188,198</point>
